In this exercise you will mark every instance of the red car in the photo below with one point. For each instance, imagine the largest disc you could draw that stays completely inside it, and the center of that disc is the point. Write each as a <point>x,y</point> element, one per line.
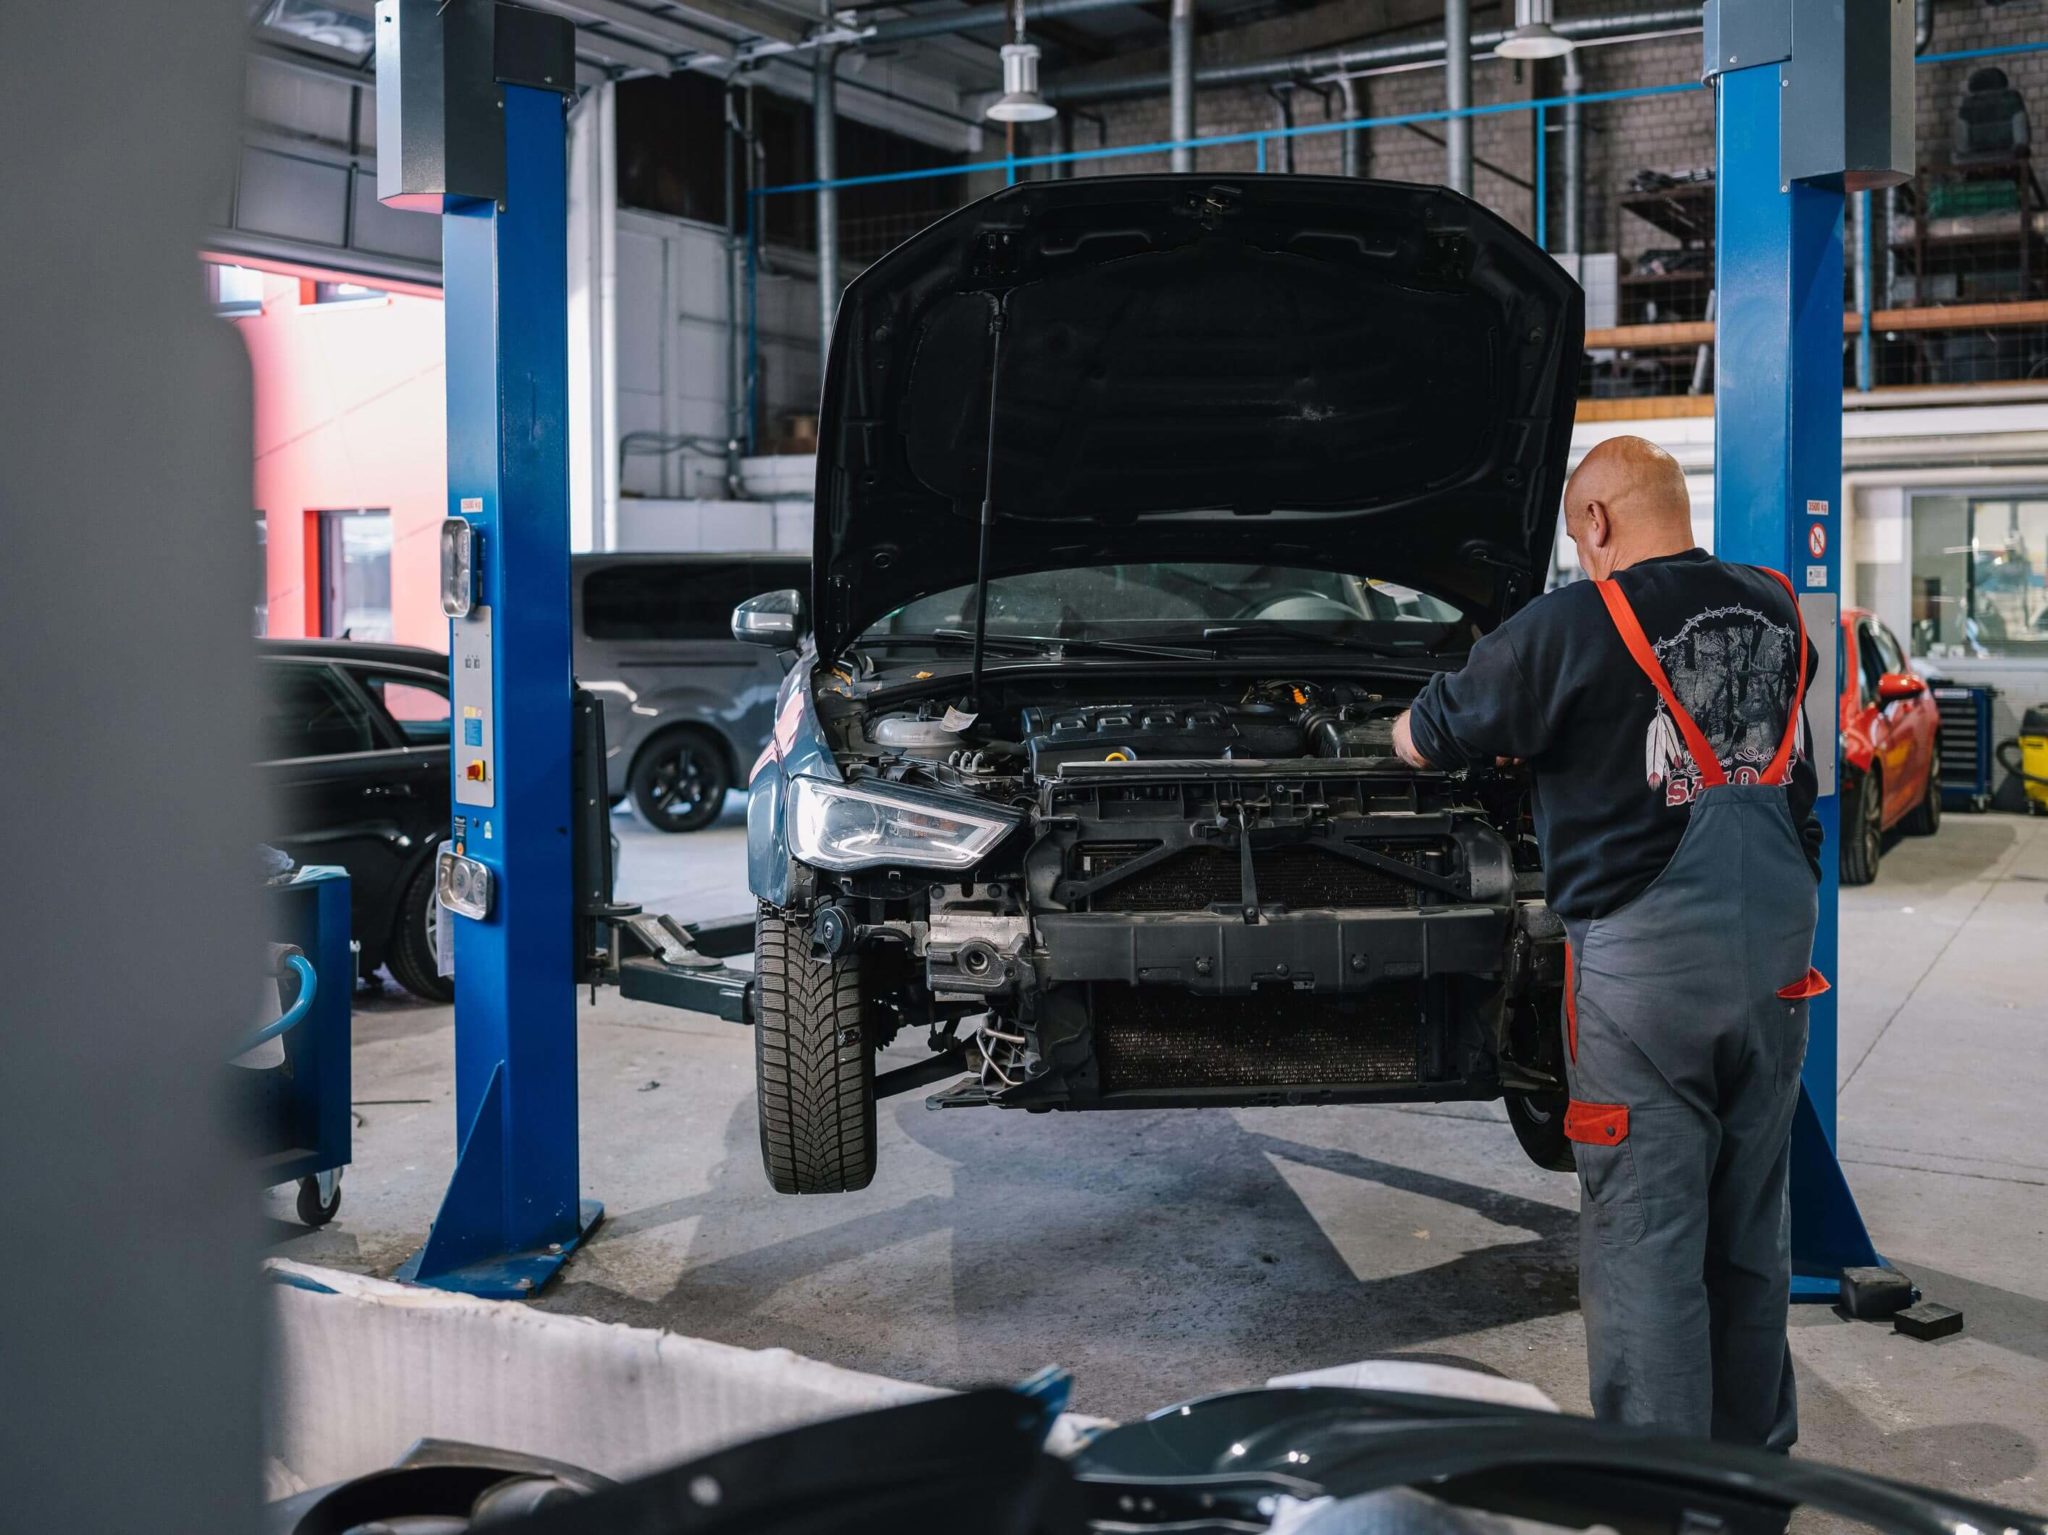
<point>1891,761</point>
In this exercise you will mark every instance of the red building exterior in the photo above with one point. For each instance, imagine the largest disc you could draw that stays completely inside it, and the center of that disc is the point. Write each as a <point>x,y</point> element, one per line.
<point>351,459</point>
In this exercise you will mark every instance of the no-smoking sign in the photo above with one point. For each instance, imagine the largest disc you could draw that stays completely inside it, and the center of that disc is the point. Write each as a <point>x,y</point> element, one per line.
<point>1817,539</point>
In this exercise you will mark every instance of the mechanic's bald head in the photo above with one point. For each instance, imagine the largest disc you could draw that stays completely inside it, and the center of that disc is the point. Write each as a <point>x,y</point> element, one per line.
<point>1626,502</point>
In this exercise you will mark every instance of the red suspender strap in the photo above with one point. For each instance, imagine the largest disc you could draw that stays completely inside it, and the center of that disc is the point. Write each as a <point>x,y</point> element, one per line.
<point>1624,616</point>
<point>1781,765</point>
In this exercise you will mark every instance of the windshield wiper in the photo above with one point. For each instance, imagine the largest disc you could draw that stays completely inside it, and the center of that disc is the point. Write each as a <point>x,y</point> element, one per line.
<point>1040,644</point>
<point>1318,637</point>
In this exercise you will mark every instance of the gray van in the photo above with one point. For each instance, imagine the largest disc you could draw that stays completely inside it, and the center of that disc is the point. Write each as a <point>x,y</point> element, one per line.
<point>686,708</point>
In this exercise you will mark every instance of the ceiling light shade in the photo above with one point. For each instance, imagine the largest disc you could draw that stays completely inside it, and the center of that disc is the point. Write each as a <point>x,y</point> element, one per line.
<point>1020,101</point>
<point>1532,37</point>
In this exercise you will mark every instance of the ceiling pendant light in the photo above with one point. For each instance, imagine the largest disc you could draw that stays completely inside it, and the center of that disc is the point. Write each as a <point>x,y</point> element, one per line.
<point>1533,36</point>
<point>1020,101</point>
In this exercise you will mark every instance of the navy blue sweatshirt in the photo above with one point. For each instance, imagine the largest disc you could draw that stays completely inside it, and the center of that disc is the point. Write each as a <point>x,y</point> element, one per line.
<point>1555,686</point>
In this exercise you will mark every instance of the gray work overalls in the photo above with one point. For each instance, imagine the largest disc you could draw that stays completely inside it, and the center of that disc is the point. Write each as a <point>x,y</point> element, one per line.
<point>1686,1030</point>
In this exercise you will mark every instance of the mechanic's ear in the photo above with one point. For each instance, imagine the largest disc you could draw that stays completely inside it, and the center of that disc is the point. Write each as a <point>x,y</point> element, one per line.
<point>1599,527</point>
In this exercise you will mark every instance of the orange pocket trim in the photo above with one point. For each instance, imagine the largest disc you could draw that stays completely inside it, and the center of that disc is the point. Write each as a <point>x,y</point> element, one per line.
<point>1812,984</point>
<point>1596,1124</point>
<point>1571,1004</point>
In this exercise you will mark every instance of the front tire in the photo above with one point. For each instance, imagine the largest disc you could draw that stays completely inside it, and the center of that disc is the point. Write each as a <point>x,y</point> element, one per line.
<point>412,959</point>
<point>1925,819</point>
<point>1538,1119</point>
<point>814,1064</point>
<point>679,781</point>
<point>1862,830</point>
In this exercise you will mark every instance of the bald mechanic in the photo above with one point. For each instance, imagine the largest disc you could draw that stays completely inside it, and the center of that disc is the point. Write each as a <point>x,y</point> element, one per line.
<point>1658,707</point>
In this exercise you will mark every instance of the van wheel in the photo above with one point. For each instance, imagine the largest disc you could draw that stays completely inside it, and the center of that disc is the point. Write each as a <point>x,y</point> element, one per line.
<point>1538,1119</point>
<point>814,1064</point>
<point>679,781</point>
<point>1925,819</point>
<point>1862,829</point>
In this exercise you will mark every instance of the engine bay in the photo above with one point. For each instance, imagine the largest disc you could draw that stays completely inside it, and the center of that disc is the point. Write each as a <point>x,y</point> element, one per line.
<point>1020,742</point>
<point>1187,848</point>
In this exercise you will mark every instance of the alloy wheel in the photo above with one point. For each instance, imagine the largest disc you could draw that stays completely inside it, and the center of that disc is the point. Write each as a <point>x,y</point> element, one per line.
<point>679,784</point>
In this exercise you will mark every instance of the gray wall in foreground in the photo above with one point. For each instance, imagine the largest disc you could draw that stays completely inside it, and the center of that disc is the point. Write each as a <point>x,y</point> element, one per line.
<point>129,1320</point>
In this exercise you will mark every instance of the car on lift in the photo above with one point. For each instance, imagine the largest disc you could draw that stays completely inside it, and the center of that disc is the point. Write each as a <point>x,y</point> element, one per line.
<point>686,708</point>
<point>1891,746</point>
<point>355,759</point>
<point>1144,505</point>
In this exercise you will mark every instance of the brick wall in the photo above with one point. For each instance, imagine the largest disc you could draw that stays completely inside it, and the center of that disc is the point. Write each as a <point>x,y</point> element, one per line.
<point>1959,26</point>
<point>1666,133</point>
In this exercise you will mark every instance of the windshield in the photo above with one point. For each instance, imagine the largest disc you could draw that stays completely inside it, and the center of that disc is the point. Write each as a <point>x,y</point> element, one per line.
<point>1222,606</point>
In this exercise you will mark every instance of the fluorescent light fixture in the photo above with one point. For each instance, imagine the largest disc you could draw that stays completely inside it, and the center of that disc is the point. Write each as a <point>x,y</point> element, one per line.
<point>1020,101</point>
<point>1532,37</point>
<point>327,25</point>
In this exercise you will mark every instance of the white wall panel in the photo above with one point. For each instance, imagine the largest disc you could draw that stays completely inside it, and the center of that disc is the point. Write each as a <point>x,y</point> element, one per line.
<point>293,198</point>
<point>643,307</point>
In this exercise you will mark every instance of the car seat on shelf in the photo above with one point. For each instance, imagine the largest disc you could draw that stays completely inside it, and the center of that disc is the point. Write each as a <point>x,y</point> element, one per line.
<point>1991,120</point>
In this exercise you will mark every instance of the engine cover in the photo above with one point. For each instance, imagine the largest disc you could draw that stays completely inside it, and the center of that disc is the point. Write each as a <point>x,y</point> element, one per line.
<point>1157,732</point>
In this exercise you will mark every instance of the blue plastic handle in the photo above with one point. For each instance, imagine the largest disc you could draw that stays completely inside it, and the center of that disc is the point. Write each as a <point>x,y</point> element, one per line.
<point>291,1017</point>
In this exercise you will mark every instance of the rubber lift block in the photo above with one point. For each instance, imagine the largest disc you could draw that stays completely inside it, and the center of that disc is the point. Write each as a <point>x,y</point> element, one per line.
<point>1876,1292</point>
<point>1928,1320</point>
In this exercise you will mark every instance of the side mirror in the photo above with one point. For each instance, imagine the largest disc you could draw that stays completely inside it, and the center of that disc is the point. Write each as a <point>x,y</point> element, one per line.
<point>774,618</point>
<point>1893,686</point>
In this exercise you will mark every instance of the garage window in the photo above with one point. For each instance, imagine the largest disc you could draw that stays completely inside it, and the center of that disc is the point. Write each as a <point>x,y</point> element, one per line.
<point>355,574</point>
<point>1980,575</point>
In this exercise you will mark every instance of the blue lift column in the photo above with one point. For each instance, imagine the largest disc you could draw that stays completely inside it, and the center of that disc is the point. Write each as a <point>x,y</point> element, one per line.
<point>471,96</point>
<point>1815,100</point>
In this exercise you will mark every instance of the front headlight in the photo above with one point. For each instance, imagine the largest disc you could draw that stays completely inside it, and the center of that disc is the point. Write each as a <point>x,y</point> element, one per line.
<point>845,826</point>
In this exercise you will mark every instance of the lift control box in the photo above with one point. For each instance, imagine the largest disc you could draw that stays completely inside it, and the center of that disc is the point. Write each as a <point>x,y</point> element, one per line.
<point>440,124</point>
<point>1847,77</point>
<point>476,771</point>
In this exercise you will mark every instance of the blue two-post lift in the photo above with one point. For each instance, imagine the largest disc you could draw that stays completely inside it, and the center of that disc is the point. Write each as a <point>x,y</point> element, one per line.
<point>1815,101</point>
<point>471,100</point>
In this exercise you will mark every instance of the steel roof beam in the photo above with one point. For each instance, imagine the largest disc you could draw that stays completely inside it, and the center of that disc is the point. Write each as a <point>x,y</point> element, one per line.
<point>620,54</point>
<point>664,34</point>
<point>969,18</point>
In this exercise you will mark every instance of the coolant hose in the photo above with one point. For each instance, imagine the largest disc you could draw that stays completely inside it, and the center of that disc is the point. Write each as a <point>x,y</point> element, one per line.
<point>291,1017</point>
<point>2013,763</point>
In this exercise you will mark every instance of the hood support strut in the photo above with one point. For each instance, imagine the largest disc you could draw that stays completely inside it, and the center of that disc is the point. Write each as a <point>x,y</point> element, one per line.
<point>997,321</point>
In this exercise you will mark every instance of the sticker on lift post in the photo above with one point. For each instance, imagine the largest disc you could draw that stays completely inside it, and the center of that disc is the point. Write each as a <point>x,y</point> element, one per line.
<point>476,757</point>
<point>1817,540</point>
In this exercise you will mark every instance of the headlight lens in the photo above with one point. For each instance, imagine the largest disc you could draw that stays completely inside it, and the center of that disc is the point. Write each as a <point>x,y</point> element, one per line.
<point>844,826</point>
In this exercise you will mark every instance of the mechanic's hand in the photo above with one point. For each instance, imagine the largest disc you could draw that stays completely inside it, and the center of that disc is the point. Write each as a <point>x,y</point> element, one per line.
<point>1404,744</point>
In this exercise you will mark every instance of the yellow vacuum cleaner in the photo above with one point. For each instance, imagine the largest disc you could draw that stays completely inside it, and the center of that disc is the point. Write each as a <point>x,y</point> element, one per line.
<point>2026,758</point>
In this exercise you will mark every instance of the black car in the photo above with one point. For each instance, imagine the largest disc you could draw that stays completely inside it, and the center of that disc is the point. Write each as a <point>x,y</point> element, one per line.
<point>356,761</point>
<point>1144,505</point>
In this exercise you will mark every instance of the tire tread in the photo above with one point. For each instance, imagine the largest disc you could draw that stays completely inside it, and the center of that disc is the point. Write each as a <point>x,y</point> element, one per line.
<point>816,1094</point>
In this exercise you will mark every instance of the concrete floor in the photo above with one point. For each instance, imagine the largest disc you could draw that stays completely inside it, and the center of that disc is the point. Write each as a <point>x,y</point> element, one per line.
<point>1161,1255</point>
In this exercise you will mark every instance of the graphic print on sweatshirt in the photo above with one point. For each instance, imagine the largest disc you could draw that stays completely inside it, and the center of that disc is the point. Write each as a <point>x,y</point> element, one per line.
<point>1732,669</point>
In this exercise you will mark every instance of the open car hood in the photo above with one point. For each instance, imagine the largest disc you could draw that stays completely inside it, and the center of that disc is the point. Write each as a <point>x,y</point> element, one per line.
<point>1358,376</point>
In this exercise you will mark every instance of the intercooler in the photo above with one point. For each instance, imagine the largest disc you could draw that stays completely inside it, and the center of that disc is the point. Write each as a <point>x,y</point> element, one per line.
<point>1147,1037</point>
